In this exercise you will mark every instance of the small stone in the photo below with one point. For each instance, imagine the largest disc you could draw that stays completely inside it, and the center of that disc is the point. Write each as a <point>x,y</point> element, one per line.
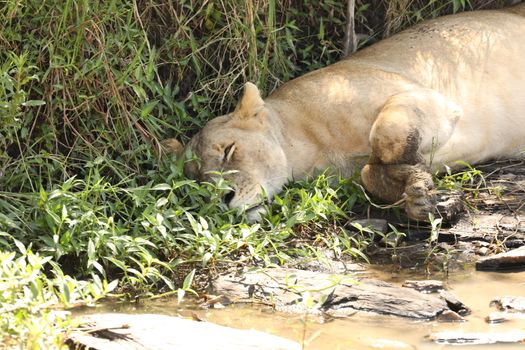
<point>425,286</point>
<point>483,251</point>
<point>450,316</point>
<point>481,244</point>
<point>454,303</point>
<point>500,317</point>
<point>214,301</point>
<point>497,317</point>
<point>510,303</point>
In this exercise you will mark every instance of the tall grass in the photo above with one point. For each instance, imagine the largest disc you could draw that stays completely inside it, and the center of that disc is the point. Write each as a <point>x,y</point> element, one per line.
<point>88,88</point>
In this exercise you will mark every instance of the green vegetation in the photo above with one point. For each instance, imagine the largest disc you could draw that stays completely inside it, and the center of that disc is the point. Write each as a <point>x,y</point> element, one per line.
<point>88,89</point>
<point>469,179</point>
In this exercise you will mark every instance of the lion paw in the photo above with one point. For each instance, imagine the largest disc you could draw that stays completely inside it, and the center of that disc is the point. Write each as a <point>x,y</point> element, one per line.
<point>419,196</point>
<point>418,207</point>
<point>442,204</point>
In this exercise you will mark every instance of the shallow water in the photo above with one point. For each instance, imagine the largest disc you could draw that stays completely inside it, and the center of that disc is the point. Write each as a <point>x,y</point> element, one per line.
<point>364,331</point>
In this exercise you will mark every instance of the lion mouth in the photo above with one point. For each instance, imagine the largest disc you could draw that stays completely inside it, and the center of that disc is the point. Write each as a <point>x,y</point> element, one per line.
<point>256,211</point>
<point>257,206</point>
<point>247,207</point>
<point>254,207</point>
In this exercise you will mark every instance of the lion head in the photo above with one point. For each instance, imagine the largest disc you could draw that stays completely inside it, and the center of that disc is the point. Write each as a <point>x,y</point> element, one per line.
<point>246,148</point>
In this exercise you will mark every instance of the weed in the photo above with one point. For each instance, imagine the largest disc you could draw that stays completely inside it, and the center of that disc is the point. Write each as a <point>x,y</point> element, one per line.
<point>437,253</point>
<point>470,179</point>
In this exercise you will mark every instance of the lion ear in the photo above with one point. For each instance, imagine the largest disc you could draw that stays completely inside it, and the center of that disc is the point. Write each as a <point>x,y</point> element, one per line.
<point>250,103</point>
<point>170,146</point>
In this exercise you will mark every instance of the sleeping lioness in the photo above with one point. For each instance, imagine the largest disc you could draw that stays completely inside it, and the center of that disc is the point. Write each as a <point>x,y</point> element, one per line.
<point>445,90</point>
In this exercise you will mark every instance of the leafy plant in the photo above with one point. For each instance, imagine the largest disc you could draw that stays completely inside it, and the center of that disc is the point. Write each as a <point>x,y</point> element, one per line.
<point>31,287</point>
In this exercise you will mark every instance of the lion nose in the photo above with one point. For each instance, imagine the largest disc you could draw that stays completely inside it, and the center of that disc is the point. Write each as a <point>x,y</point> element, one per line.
<point>228,197</point>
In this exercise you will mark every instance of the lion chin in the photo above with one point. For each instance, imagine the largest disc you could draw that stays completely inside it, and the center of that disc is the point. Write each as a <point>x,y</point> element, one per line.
<point>446,90</point>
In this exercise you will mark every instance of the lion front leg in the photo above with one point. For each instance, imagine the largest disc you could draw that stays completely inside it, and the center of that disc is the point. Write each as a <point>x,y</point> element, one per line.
<point>409,128</point>
<point>393,182</point>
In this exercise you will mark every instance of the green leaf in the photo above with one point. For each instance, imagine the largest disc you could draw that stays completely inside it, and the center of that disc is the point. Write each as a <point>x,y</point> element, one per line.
<point>140,92</point>
<point>111,286</point>
<point>64,213</point>
<point>180,294</point>
<point>33,103</point>
<point>91,250</point>
<point>321,30</point>
<point>161,187</point>
<point>21,247</point>
<point>147,108</point>
<point>188,280</point>
<point>99,267</point>
<point>162,201</point>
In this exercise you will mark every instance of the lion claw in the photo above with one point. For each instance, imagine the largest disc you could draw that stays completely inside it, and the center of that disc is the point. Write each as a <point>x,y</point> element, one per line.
<point>443,204</point>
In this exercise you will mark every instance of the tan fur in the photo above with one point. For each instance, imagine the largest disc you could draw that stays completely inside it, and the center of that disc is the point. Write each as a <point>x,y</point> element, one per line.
<point>445,90</point>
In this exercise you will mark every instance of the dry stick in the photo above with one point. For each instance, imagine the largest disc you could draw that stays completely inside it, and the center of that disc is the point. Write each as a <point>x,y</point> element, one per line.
<point>350,44</point>
<point>252,56</point>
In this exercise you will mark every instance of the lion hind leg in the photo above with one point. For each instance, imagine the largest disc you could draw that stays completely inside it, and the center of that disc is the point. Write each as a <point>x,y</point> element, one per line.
<point>408,129</point>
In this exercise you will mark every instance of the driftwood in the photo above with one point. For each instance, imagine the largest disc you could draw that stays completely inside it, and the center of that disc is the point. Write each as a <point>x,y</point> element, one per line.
<point>350,44</point>
<point>160,332</point>
<point>331,294</point>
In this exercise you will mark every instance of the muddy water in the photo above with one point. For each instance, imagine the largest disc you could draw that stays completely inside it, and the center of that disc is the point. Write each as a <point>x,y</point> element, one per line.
<point>364,331</point>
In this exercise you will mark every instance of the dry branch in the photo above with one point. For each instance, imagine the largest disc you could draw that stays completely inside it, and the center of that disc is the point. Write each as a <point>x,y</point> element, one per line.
<point>350,44</point>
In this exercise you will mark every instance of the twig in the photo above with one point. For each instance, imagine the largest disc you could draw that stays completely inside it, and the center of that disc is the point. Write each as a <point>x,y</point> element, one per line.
<point>350,44</point>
